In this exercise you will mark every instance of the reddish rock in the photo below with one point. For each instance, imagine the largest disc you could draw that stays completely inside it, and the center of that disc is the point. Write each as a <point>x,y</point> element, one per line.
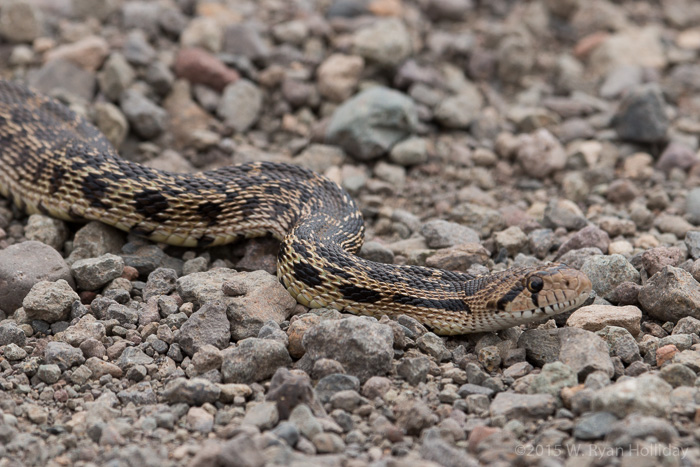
<point>200,67</point>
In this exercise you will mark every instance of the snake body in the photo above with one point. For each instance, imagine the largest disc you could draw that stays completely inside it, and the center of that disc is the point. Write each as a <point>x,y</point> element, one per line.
<point>53,161</point>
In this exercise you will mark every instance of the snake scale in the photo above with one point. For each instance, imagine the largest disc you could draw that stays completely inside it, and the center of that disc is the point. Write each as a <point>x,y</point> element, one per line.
<point>54,162</point>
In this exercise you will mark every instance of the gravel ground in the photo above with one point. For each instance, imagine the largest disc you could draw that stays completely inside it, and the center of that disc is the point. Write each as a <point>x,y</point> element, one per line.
<point>475,135</point>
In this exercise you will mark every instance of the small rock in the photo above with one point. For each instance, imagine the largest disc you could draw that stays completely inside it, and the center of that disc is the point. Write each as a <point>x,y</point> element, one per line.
<point>594,426</point>
<point>50,301</point>
<point>621,343</point>
<point>443,234</point>
<point>338,76</point>
<point>587,237</point>
<point>385,41</point>
<point>88,53</point>
<point>63,355</point>
<point>207,326</point>
<point>608,272</point>
<point>253,360</point>
<point>522,406</point>
<point>21,21</point>
<point>409,152</point>
<point>461,110</point>
<point>642,117</point>
<point>671,294</point>
<point>413,369</point>
<point>240,105</point>
<point>93,273</point>
<point>146,118</point>
<point>370,123</point>
<point>263,415</point>
<point>10,333</point>
<point>363,347</point>
<point>655,259</point>
<point>196,391</point>
<point>200,420</point>
<point>540,154</point>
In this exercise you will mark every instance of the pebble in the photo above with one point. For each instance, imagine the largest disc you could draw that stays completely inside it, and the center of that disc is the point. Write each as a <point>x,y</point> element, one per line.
<point>522,406</point>
<point>339,75</point>
<point>367,125</point>
<point>253,360</point>
<point>409,152</point>
<point>363,347</point>
<point>10,333</point>
<point>385,41</point>
<point>240,105</point>
<point>540,153</point>
<point>196,391</point>
<point>621,344</point>
<point>594,426</point>
<point>145,117</point>
<point>439,233</point>
<point>88,53</point>
<point>588,237</point>
<point>62,354</point>
<point>93,273</point>
<point>460,110</point>
<point>641,117</point>
<point>413,369</point>
<point>21,21</point>
<point>646,394</point>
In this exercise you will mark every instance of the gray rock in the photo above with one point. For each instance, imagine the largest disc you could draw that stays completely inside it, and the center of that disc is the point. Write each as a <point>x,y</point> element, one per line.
<point>414,369</point>
<point>195,391</point>
<point>93,273</point>
<point>44,229</point>
<point>241,451</point>
<point>411,151</point>
<point>608,272</point>
<point>62,354</point>
<point>587,237</point>
<point>162,281</point>
<point>369,124</point>
<point>437,450</point>
<point>671,294</point>
<point>620,79</point>
<point>646,394</point>
<point>434,346</point>
<point>138,394</point>
<point>385,41</point>
<point>263,415</point>
<point>10,333</point>
<point>363,347</point>
<point>594,425</point>
<point>677,374</point>
<point>22,266</point>
<point>288,390</point>
<point>334,383</point>
<point>676,156</point>
<point>245,40</point>
<point>116,76</point>
<point>461,110</point>
<point>522,406</point>
<point>564,213</point>
<point>137,50</point>
<point>132,356</point>
<point>692,238</point>
<point>21,21</point>
<point>122,313</point>
<point>375,251</point>
<point>581,350</point>
<point>145,117</point>
<point>208,325</point>
<point>439,233</point>
<point>50,301</point>
<point>253,360</point>
<point>621,343</point>
<point>303,418</point>
<point>641,116</point>
<point>240,105</point>
<point>13,352</point>
<point>640,427</point>
<point>95,239</point>
<point>254,299</point>
<point>540,153</point>
<point>86,328</point>
<point>553,378</point>
<point>62,77</point>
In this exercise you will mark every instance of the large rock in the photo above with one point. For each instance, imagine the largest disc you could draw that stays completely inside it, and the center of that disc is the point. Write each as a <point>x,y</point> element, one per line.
<point>362,346</point>
<point>251,298</point>
<point>254,360</point>
<point>671,294</point>
<point>23,265</point>
<point>370,123</point>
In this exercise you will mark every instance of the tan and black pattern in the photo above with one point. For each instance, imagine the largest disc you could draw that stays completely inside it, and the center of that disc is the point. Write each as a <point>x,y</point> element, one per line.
<point>52,161</point>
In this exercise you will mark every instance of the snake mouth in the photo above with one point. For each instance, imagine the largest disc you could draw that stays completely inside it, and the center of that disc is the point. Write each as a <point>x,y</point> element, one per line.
<point>553,309</point>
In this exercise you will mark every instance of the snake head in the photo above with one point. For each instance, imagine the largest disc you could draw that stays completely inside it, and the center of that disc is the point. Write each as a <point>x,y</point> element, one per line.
<point>543,291</point>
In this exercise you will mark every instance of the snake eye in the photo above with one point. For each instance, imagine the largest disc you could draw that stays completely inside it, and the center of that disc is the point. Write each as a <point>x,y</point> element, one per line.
<point>535,284</point>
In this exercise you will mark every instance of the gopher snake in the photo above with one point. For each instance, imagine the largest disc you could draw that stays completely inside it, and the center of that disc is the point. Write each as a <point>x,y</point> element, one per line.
<point>54,162</point>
